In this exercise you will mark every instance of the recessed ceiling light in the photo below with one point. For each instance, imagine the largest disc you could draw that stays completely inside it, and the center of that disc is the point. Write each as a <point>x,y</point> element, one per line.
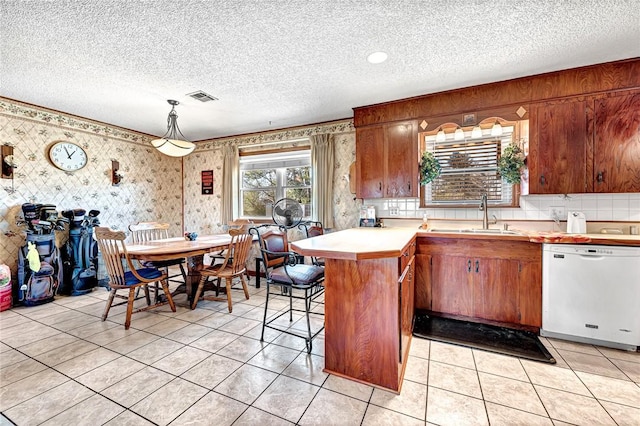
<point>377,57</point>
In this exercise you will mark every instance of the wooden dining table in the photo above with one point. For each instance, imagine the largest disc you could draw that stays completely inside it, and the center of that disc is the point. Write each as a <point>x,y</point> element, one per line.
<point>180,248</point>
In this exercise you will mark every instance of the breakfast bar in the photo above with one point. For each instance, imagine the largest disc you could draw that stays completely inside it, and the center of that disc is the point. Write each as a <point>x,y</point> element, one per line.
<point>369,288</point>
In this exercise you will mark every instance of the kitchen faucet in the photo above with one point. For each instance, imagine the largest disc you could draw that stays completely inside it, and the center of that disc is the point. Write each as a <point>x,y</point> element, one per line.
<point>485,211</point>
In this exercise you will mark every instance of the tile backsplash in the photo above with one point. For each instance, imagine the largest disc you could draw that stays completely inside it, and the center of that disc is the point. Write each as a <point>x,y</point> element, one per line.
<point>596,207</point>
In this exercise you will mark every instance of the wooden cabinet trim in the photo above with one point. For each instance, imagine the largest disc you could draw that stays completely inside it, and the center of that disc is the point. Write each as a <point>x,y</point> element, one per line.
<point>591,79</point>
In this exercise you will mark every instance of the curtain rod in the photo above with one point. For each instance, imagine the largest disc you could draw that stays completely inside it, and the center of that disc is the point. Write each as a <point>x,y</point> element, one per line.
<point>258,145</point>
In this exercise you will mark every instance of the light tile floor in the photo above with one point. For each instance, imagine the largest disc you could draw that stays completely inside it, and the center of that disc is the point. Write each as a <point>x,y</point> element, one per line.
<point>61,365</point>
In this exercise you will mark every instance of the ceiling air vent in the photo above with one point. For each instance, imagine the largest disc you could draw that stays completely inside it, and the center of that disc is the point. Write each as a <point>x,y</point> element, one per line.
<point>202,96</point>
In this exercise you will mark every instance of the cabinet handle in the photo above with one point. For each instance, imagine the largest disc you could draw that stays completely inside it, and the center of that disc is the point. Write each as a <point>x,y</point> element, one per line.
<point>477,266</point>
<point>409,187</point>
<point>379,186</point>
<point>600,177</point>
<point>469,265</point>
<point>543,180</point>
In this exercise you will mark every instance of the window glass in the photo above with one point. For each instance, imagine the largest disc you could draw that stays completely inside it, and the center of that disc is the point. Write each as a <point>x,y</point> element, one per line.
<point>469,170</point>
<point>266,178</point>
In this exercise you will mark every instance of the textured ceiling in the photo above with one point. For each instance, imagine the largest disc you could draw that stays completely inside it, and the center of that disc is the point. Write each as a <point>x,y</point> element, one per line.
<point>276,64</point>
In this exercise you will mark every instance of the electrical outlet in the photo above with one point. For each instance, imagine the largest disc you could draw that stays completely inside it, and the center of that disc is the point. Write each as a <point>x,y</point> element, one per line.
<point>557,213</point>
<point>393,211</point>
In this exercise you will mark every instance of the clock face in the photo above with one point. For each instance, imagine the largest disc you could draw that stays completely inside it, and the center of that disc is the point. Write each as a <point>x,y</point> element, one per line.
<point>67,156</point>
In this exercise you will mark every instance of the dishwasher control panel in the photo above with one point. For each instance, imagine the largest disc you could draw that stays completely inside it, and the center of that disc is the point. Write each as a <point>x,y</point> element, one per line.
<point>559,250</point>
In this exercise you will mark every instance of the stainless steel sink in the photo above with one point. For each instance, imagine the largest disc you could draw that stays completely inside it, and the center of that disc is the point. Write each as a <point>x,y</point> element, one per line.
<point>476,231</point>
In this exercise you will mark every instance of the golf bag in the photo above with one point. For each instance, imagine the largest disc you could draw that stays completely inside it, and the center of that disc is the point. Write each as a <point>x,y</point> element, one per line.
<point>80,253</point>
<point>35,287</point>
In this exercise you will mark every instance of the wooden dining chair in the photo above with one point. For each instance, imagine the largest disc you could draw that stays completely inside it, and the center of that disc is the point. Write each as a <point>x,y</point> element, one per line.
<point>290,279</point>
<point>233,266</point>
<point>244,225</point>
<point>114,254</point>
<point>146,231</point>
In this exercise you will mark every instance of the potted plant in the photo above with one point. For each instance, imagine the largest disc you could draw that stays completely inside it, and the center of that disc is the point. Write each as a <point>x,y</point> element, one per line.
<point>511,164</point>
<point>429,168</point>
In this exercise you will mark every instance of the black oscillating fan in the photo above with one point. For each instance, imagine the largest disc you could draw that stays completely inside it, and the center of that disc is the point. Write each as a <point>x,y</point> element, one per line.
<point>287,212</point>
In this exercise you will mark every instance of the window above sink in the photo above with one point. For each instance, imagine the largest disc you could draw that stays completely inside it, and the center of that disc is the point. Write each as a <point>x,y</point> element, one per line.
<point>469,159</point>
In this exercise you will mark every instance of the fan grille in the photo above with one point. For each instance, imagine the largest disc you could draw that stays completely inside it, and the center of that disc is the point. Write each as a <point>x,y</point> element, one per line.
<point>287,212</point>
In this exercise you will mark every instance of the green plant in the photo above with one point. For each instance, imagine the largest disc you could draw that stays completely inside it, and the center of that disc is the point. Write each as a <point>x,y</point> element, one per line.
<point>429,168</point>
<point>511,163</point>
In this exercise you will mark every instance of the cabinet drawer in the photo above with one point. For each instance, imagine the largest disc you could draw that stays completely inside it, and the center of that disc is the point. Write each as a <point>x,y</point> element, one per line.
<point>407,254</point>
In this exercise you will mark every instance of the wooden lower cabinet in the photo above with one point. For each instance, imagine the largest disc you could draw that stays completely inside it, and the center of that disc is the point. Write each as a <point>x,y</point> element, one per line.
<point>369,306</point>
<point>492,280</point>
<point>406,305</point>
<point>497,290</point>
<point>452,285</point>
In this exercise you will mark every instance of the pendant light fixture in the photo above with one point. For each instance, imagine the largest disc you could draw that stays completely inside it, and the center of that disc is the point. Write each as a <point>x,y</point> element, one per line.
<point>476,132</point>
<point>458,134</point>
<point>496,130</point>
<point>169,144</point>
<point>441,136</point>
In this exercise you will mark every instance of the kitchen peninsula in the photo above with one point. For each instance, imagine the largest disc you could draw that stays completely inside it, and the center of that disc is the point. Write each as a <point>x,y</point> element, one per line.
<point>375,277</point>
<point>369,287</point>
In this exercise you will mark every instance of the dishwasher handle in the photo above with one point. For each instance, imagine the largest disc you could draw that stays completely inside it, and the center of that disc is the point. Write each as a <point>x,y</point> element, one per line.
<point>592,256</point>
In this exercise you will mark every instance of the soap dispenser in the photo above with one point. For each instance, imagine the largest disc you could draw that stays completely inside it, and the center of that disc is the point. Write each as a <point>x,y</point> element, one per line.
<point>425,222</point>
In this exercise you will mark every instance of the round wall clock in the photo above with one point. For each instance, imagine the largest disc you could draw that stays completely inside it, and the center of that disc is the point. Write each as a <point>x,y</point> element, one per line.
<point>67,156</point>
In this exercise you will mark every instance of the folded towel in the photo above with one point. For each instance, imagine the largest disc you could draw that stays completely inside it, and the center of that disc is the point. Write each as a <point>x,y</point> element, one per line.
<point>558,237</point>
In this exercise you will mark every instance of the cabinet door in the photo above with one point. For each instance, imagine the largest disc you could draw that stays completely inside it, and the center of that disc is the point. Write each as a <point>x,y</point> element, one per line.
<point>558,148</point>
<point>530,299</point>
<point>407,288</point>
<point>497,289</point>
<point>401,152</point>
<point>370,162</point>
<point>423,281</point>
<point>616,163</point>
<point>451,285</point>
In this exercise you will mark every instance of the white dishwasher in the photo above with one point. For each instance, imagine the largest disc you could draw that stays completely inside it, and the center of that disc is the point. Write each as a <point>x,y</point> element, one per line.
<point>591,294</point>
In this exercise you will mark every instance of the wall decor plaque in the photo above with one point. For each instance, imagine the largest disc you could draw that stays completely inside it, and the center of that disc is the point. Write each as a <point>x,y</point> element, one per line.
<point>207,182</point>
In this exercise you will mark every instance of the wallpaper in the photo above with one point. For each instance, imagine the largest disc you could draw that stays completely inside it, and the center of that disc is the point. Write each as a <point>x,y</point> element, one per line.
<point>202,212</point>
<point>152,184</point>
<point>151,187</point>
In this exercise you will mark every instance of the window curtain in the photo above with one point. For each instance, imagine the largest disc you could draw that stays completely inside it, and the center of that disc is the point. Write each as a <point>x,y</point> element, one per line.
<point>230,160</point>
<point>322,168</point>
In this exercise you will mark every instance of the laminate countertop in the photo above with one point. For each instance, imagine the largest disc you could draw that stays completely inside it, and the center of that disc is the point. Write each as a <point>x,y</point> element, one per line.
<point>371,243</point>
<point>357,243</point>
<point>541,237</point>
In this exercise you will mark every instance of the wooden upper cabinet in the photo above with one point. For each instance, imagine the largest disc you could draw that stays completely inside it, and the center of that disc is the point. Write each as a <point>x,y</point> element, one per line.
<point>387,161</point>
<point>616,143</point>
<point>370,162</point>
<point>558,147</point>
<point>402,160</point>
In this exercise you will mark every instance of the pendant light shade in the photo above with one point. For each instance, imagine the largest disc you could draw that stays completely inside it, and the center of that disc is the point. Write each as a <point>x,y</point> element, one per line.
<point>496,130</point>
<point>170,144</point>
<point>440,136</point>
<point>458,134</point>
<point>476,132</point>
